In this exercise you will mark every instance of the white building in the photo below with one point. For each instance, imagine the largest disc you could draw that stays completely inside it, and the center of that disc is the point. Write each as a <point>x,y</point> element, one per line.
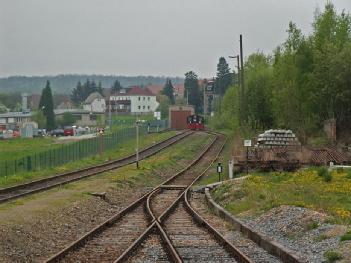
<point>95,103</point>
<point>15,117</point>
<point>134,100</point>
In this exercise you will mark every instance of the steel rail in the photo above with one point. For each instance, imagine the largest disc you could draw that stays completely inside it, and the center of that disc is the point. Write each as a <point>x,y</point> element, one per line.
<point>113,219</point>
<point>171,250</point>
<point>158,221</point>
<point>239,256</point>
<point>17,191</point>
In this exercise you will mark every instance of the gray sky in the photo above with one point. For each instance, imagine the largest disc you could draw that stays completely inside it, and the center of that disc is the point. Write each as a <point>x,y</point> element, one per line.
<point>141,37</point>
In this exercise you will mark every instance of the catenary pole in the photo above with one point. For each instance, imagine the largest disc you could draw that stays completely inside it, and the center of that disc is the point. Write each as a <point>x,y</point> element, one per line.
<point>242,82</point>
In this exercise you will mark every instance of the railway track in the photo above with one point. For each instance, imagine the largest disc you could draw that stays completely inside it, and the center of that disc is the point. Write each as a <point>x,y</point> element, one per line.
<point>161,226</point>
<point>10,193</point>
<point>187,237</point>
<point>96,245</point>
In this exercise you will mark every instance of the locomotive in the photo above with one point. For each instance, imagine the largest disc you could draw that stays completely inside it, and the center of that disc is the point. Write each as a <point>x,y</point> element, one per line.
<point>195,122</point>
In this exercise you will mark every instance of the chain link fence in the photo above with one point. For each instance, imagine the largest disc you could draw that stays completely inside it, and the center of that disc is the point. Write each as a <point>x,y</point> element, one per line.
<point>74,151</point>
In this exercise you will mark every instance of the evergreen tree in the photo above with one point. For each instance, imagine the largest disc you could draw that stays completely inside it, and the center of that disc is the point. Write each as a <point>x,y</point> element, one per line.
<point>46,105</point>
<point>192,91</point>
<point>81,92</point>
<point>77,94</point>
<point>168,90</point>
<point>224,76</point>
<point>116,87</point>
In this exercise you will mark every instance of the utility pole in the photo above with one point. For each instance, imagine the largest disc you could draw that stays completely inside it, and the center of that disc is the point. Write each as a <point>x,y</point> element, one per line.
<point>137,144</point>
<point>109,114</point>
<point>243,97</point>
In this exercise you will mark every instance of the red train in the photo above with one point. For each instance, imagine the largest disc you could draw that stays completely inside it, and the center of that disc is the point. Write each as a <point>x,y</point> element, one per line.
<point>195,122</point>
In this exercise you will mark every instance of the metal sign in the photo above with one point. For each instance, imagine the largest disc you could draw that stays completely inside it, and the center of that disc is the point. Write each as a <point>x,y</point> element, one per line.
<point>209,87</point>
<point>219,170</point>
<point>219,167</point>
<point>247,143</point>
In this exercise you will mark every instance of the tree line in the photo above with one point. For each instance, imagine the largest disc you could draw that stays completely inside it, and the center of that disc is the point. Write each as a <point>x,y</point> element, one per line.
<point>64,84</point>
<point>303,83</point>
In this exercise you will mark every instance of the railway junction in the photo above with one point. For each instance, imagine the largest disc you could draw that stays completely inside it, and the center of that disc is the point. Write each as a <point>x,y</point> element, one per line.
<point>170,222</point>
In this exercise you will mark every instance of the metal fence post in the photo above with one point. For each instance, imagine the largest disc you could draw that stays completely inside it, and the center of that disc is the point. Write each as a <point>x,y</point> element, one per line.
<point>29,163</point>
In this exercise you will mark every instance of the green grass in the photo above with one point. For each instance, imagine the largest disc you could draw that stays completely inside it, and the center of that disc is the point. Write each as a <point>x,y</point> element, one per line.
<point>312,225</point>
<point>132,117</point>
<point>20,147</point>
<point>125,148</point>
<point>171,157</point>
<point>152,172</point>
<point>305,188</point>
<point>212,176</point>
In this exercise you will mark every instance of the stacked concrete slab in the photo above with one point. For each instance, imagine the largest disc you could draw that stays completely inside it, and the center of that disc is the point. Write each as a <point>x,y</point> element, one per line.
<point>274,138</point>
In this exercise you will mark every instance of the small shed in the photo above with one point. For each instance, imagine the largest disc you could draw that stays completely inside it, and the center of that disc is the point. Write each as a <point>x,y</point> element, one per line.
<point>178,116</point>
<point>28,129</point>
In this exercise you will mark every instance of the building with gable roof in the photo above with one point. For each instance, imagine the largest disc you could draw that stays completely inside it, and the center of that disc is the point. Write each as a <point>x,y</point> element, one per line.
<point>95,103</point>
<point>134,100</point>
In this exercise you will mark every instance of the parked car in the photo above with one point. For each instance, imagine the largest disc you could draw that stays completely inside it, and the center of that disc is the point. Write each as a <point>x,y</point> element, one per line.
<point>40,133</point>
<point>68,131</point>
<point>57,132</point>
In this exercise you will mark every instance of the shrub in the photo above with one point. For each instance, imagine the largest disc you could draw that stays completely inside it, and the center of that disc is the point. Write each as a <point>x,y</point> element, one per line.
<point>332,256</point>
<point>325,174</point>
<point>328,177</point>
<point>322,171</point>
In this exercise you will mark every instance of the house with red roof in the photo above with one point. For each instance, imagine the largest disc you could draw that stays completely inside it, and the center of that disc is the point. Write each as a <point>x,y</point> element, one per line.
<point>133,100</point>
<point>155,89</point>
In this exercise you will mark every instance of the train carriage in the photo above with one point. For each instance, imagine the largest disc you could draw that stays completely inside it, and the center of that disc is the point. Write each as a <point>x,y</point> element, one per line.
<point>195,122</point>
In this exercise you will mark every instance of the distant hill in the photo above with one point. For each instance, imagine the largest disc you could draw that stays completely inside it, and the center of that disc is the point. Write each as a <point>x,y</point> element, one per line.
<point>63,84</point>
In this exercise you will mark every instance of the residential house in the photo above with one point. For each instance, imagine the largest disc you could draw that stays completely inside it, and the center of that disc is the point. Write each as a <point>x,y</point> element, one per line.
<point>134,100</point>
<point>95,103</point>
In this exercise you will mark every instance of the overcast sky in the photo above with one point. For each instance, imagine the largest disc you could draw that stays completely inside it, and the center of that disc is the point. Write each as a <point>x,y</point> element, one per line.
<point>142,37</point>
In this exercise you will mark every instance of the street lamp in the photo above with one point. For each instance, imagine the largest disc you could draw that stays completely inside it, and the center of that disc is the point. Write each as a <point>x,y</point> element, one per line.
<point>238,66</point>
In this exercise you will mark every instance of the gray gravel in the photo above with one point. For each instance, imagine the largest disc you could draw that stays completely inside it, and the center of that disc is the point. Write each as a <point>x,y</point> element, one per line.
<point>302,230</point>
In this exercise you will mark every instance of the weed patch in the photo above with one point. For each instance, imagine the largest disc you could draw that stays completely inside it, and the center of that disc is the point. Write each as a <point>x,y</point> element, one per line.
<point>346,237</point>
<point>332,256</point>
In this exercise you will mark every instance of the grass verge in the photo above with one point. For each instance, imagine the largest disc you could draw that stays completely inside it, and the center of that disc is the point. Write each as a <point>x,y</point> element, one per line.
<point>125,148</point>
<point>263,191</point>
<point>153,171</point>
